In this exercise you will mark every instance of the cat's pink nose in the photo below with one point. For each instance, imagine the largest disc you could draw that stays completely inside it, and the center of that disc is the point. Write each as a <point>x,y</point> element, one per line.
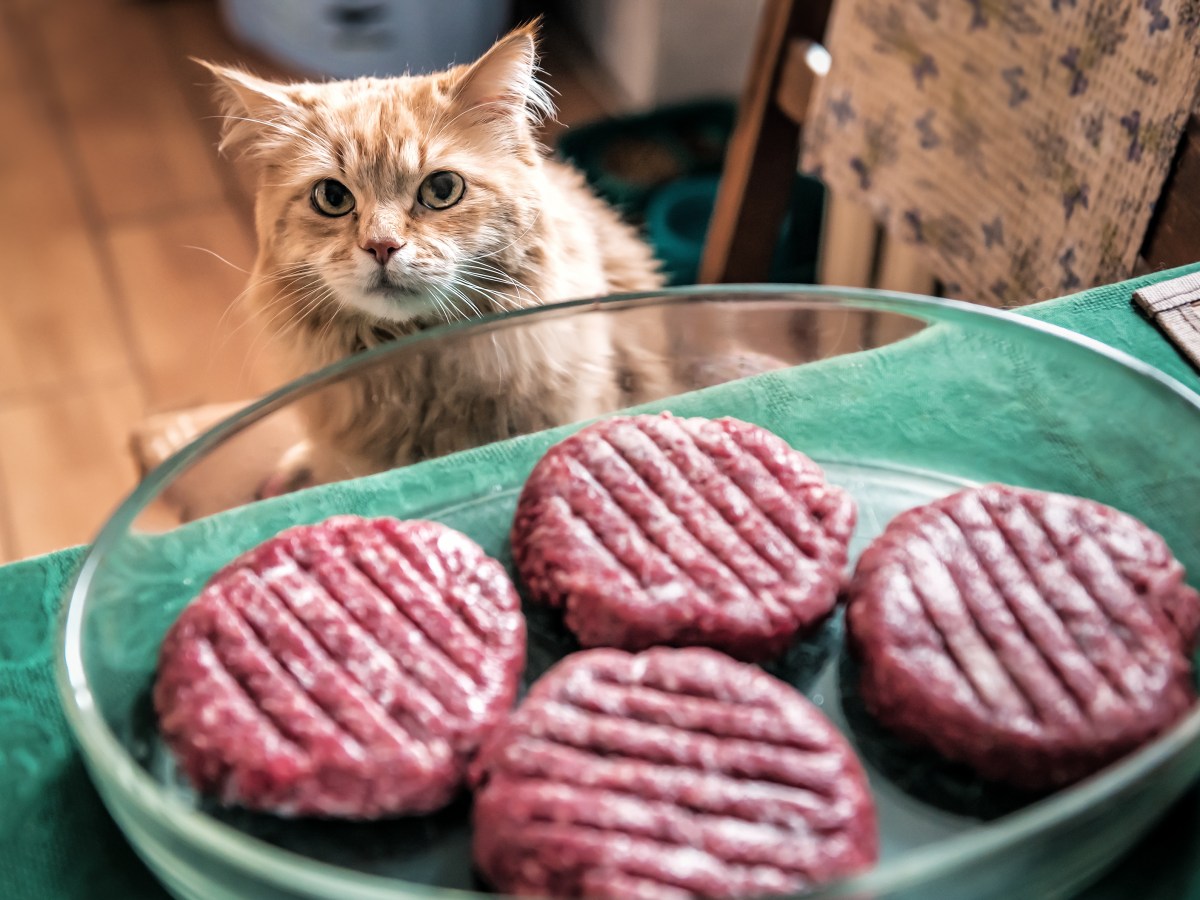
<point>383,249</point>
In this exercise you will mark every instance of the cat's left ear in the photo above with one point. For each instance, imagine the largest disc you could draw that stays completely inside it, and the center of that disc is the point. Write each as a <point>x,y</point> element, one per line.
<point>503,83</point>
<point>256,110</point>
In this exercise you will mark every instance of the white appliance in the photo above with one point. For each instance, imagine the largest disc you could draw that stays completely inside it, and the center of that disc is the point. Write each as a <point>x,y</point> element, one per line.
<point>347,38</point>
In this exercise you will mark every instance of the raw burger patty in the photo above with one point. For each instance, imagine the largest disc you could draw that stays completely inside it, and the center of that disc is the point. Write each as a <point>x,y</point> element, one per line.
<point>670,773</point>
<point>658,530</point>
<point>348,669</point>
<point>1036,637</point>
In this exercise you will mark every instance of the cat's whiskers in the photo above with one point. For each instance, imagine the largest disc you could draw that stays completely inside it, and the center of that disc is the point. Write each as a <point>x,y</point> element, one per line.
<point>451,303</point>
<point>315,300</point>
<point>532,334</point>
<point>301,309</point>
<point>478,264</point>
<point>536,217</point>
<point>286,301</point>
<point>491,273</point>
<point>302,272</point>
<point>216,255</point>
<point>465,299</point>
<point>291,284</point>
<point>494,272</point>
<point>442,302</point>
<point>215,346</point>
<point>329,323</point>
<point>491,267</point>
<point>462,278</point>
<point>311,303</point>
<point>309,282</point>
<point>437,302</point>
<point>500,298</point>
<point>286,272</point>
<point>255,350</point>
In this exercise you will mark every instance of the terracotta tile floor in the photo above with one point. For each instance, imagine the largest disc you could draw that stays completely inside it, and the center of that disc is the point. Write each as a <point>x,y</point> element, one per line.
<point>111,192</point>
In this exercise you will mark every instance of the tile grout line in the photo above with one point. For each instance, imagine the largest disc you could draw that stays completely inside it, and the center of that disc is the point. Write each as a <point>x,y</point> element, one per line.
<point>156,215</point>
<point>68,388</point>
<point>49,93</point>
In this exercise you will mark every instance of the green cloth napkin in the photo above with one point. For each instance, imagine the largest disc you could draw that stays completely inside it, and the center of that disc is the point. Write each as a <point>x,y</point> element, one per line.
<point>57,841</point>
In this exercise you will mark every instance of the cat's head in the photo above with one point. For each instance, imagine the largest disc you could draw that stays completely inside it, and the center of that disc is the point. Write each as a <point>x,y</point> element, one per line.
<point>387,196</point>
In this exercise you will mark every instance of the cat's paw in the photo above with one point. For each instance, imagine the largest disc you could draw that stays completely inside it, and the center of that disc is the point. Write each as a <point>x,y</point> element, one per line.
<point>294,472</point>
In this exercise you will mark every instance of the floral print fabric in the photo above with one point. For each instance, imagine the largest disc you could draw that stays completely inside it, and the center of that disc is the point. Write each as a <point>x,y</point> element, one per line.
<point>1020,144</point>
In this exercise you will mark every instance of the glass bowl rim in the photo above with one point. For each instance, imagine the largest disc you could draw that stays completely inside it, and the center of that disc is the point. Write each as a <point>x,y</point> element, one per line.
<point>258,859</point>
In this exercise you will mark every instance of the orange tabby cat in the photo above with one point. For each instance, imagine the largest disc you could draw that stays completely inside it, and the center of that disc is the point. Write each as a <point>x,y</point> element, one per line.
<point>388,205</point>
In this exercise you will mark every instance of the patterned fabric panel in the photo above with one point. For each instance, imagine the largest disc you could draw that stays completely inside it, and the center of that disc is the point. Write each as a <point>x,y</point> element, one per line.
<point>1020,143</point>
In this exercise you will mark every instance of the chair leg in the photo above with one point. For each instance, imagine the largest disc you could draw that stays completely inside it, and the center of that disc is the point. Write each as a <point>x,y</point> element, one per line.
<point>1173,237</point>
<point>849,239</point>
<point>761,161</point>
<point>902,268</point>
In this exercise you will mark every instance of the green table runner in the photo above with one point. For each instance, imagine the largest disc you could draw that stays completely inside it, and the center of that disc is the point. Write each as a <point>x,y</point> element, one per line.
<point>57,841</point>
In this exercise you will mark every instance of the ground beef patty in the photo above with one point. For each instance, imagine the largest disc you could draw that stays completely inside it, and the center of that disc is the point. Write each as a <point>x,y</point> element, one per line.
<point>1036,637</point>
<point>659,530</point>
<point>348,669</point>
<point>670,773</point>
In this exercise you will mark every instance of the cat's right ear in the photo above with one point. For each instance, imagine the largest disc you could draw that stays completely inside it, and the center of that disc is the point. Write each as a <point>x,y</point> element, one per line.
<point>255,112</point>
<point>503,84</point>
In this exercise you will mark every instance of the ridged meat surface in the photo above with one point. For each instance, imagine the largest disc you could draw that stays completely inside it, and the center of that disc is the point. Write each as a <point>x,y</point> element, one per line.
<point>660,530</point>
<point>1036,637</point>
<point>670,773</point>
<point>347,669</point>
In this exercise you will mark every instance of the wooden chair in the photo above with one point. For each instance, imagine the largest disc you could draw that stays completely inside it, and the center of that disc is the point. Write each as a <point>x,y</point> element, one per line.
<point>763,153</point>
<point>760,163</point>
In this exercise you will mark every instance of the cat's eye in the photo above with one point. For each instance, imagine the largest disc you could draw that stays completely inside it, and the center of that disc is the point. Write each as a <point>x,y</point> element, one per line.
<point>441,190</point>
<point>332,198</point>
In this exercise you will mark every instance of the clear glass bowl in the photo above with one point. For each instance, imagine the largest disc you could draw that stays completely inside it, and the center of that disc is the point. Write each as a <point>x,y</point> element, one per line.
<point>902,399</point>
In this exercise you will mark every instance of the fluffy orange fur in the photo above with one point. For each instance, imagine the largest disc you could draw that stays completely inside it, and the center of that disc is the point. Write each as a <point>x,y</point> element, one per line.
<point>523,231</point>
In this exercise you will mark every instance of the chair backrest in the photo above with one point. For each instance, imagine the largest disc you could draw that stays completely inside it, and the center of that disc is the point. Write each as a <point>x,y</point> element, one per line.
<point>762,161</point>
